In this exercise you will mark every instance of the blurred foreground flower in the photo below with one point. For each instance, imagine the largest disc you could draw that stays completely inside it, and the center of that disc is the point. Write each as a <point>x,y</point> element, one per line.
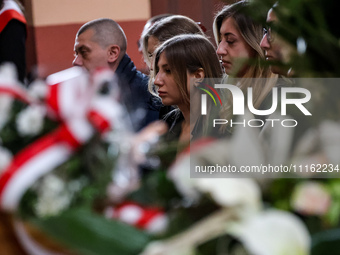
<point>5,107</point>
<point>274,232</point>
<point>31,120</point>
<point>5,158</point>
<point>52,196</point>
<point>311,198</point>
<point>227,192</point>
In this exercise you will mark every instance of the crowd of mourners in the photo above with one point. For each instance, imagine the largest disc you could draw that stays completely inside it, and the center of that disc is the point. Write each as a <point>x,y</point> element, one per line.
<point>179,57</point>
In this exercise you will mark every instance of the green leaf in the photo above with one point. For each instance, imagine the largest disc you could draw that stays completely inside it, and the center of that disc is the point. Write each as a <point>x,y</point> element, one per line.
<point>326,242</point>
<point>91,234</point>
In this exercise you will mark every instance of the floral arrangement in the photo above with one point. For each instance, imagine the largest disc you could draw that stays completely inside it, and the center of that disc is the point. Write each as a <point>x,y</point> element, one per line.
<point>58,152</point>
<point>73,173</point>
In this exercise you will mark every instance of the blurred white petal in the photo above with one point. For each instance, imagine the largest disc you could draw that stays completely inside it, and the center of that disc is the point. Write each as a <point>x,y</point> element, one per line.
<point>31,120</point>
<point>301,45</point>
<point>274,232</point>
<point>246,147</point>
<point>231,192</point>
<point>330,140</point>
<point>5,109</point>
<point>8,73</point>
<point>179,173</point>
<point>278,139</point>
<point>5,158</point>
<point>311,198</point>
<point>38,89</point>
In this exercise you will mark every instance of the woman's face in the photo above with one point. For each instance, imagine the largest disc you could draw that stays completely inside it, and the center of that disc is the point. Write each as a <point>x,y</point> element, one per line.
<point>167,88</point>
<point>232,47</point>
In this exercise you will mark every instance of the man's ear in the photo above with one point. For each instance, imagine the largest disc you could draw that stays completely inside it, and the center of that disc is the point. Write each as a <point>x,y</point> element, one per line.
<point>113,53</point>
<point>199,76</point>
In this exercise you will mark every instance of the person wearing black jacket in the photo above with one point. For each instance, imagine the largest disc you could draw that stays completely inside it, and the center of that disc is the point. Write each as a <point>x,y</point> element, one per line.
<point>101,43</point>
<point>13,34</point>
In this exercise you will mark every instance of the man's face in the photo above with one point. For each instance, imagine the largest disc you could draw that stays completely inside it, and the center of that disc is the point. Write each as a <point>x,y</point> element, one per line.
<point>89,54</point>
<point>273,46</point>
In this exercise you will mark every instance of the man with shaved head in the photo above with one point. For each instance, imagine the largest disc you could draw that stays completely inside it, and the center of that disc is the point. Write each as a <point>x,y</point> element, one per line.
<point>101,43</point>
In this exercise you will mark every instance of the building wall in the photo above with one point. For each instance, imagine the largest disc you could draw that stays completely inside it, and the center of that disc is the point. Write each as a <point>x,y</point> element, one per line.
<point>199,10</point>
<point>53,25</point>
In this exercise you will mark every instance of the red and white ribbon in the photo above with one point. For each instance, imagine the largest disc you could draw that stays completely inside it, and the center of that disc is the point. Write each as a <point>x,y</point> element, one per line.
<point>10,11</point>
<point>73,101</point>
<point>16,91</point>
<point>151,219</point>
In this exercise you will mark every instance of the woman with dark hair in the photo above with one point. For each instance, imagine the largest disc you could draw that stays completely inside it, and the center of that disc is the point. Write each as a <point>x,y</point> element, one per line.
<point>164,30</point>
<point>180,63</point>
<point>158,33</point>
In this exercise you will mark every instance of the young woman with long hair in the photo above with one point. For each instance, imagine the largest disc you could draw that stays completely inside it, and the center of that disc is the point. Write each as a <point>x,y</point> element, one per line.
<point>238,38</point>
<point>179,64</point>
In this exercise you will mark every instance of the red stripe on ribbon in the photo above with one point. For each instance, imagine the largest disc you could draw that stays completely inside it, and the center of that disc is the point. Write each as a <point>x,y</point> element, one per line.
<point>98,121</point>
<point>8,15</point>
<point>62,134</point>
<point>16,93</point>
<point>52,99</point>
<point>149,214</point>
<point>65,135</point>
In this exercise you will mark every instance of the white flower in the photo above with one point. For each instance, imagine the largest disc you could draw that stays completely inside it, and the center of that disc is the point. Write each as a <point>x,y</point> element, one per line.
<point>227,192</point>
<point>311,198</point>
<point>38,89</point>
<point>5,158</point>
<point>179,173</point>
<point>158,248</point>
<point>52,196</point>
<point>30,121</point>
<point>301,45</point>
<point>274,232</point>
<point>232,192</point>
<point>8,74</point>
<point>158,224</point>
<point>5,108</point>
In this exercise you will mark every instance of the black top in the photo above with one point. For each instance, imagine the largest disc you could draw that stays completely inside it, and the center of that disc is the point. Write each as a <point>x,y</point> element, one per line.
<point>141,104</point>
<point>12,46</point>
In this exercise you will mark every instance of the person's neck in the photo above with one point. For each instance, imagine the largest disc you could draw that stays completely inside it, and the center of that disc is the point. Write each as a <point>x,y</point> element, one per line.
<point>185,110</point>
<point>186,128</point>
<point>190,115</point>
<point>114,66</point>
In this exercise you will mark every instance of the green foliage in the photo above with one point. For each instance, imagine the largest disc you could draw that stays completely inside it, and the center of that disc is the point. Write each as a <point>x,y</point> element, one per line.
<point>156,189</point>
<point>91,234</point>
<point>326,242</point>
<point>11,139</point>
<point>91,168</point>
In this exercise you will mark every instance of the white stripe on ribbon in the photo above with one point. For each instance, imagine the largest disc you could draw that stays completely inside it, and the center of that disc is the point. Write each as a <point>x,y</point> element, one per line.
<point>80,129</point>
<point>108,109</point>
<point>10,5</point>
<point>30,246</point>
<point>32,170</point>
<point>75,98</point>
